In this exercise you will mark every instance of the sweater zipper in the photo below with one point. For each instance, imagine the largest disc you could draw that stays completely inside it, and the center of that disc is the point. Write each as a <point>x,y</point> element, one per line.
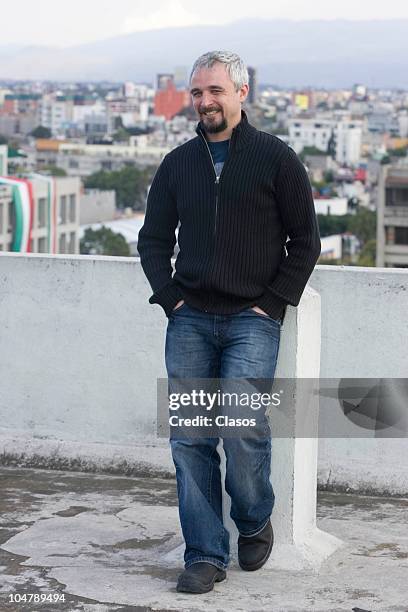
<point>217,180</point>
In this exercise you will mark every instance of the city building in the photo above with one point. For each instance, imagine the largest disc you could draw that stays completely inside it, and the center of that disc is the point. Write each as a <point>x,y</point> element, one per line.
<point>90,117</point>
<point>39,214</point>
<point>341,137</point>
<point>81,159</point>
<point>97,206</point>
<point>331,248</point>
<point>383,121</point>
<point>318,166</point>
<point>392,217</point>
<point>14,124</point>
<point>170,101</point>
<point>303,100</point>
<point>55,113</point>
<point>339,247</point>
<point>15,103</point>
<point>331,206</point>
<point>129,110</point>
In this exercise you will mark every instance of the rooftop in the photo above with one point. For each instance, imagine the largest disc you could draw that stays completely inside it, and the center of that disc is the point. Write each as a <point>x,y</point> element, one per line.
<point>108,542</point>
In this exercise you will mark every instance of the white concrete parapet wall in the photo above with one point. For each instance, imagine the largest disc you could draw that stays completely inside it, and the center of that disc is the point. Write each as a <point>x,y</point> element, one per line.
<point>364,334</point>
<point>81,350</point>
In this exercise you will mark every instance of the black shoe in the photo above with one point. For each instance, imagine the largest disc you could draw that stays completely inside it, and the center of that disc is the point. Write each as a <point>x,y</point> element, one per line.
<point>199,578</point>
<point>254,551</point>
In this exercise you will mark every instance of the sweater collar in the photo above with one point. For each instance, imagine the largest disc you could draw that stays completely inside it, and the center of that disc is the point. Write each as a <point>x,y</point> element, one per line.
<point>241,134</point>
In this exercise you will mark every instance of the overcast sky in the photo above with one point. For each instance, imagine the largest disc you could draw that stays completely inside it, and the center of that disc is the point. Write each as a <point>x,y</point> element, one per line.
<point>53,22</point>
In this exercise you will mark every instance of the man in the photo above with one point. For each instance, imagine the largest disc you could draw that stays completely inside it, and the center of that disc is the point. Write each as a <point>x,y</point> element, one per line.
<point>248,240</point>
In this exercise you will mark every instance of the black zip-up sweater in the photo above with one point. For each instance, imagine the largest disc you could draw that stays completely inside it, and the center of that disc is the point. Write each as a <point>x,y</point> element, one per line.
<point>233,228</point>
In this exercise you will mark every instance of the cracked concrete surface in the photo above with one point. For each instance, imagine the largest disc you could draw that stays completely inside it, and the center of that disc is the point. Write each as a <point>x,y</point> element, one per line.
<point>107,543</point>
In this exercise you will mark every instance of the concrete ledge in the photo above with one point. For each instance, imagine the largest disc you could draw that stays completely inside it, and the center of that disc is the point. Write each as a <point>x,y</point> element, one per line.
<point>148,459</point>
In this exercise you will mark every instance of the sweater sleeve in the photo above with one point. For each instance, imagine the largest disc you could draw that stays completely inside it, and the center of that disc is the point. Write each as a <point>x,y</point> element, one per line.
<point>156,241</point>
<point>295,201</point>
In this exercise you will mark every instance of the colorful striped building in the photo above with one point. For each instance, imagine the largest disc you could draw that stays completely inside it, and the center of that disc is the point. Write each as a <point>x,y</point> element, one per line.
<point>39,213</point>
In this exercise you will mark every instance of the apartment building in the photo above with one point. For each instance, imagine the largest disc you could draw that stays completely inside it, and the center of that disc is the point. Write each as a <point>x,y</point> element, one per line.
<point>39,214</point>
<point>55,112</point>
<point>343,137</point>
<point>392,217</point>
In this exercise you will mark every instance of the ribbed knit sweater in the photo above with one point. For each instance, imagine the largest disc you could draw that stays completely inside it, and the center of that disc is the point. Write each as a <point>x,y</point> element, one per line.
<point>248,237</point>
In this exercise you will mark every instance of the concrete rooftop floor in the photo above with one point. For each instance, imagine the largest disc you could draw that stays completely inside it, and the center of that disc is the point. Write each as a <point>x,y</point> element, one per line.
<point>106,542</point>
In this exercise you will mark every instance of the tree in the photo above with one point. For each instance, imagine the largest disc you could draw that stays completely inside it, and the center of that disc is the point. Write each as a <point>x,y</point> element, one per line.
<point>333,224</point>
<point>364,225</point>
<point>138,131</point>
<point>129,183</point>
<point>399,152</point>
<point>312,150</point>
<point>41,132</point>
<point>121,135</point>
<point>368,254</point>
<point>330,262</point>
<point>15,169</point>
<point>103,242</point>
<point>331,146</point>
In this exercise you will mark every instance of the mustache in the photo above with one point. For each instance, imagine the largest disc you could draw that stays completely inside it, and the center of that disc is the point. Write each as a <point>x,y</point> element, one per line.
<point>208,110</point>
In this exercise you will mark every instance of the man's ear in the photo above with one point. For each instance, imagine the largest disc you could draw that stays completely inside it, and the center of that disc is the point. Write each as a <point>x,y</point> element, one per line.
<point>243,92</point>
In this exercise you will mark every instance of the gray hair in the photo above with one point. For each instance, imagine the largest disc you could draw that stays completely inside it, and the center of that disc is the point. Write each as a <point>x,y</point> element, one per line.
<point>234,66</point>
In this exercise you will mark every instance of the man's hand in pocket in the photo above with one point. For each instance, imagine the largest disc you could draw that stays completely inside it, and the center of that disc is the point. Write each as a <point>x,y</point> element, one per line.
<point>179,304</point>
<point>260,311</point>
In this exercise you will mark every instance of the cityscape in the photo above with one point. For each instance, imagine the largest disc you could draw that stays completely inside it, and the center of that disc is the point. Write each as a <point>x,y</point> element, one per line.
<point>93,502</point>
<point>77,159</point>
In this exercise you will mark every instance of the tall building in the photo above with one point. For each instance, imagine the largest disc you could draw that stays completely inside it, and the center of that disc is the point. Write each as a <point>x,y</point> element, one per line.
<point>392,217</point>
<point>55,112</point>
<point>170,101</point>
<point>253,85</point>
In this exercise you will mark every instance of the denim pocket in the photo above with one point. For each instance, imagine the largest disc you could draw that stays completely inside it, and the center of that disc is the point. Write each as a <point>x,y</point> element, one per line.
<point>264,316</point>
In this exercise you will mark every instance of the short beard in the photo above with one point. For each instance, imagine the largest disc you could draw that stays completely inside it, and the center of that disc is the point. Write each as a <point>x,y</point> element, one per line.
<point>214,128</point>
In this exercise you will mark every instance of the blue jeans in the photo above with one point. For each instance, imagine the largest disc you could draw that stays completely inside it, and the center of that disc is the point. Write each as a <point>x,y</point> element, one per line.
<point>203,345</point>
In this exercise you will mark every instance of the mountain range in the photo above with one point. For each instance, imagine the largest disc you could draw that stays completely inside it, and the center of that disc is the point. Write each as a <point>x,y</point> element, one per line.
<point>286,53</point>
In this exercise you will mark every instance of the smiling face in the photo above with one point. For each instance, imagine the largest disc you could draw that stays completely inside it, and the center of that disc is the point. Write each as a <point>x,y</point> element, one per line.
<point>216,101</point>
